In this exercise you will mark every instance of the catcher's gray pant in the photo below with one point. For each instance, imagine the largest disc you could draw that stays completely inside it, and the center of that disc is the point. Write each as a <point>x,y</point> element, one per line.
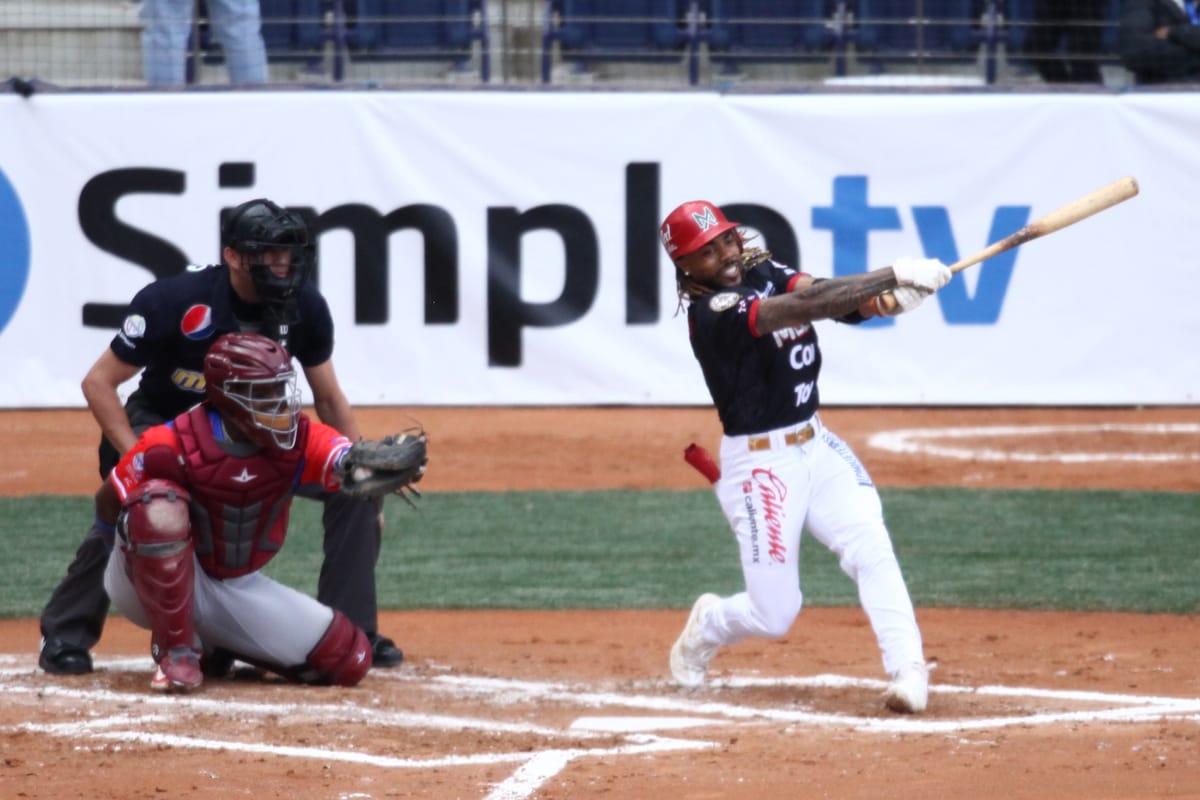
<point>253,616</point>
<point>75,613</point>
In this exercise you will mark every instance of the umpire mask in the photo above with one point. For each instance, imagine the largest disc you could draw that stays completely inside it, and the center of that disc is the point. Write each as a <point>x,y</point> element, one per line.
<point>277,250</point>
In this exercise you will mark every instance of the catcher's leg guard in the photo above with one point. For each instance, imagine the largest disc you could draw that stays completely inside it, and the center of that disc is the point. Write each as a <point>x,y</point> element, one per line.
<point>157,528</point>
<point>343,655</point>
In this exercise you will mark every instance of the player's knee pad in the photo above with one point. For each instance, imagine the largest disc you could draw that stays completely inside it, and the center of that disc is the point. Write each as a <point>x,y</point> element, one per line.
<point>156,529</point>
<point>157,513</point>
<point>342,657</point>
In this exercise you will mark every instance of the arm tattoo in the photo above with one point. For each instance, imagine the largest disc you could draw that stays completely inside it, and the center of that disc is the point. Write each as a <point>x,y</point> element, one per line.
<point>831,298</point>
<point>839,296</point>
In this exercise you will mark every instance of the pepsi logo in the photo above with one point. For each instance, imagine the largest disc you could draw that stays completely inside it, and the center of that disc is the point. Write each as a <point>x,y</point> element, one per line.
<point>197,322</point>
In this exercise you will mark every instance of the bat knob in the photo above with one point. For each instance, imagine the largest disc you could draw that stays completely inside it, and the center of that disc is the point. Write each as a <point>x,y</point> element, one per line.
<point>885,304</point>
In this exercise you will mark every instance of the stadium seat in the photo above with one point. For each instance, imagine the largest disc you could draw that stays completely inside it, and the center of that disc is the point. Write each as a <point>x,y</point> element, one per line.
<point>292,30</point>
<point>415,30</point>
<point>945,31</point>
<point>620,30</point>
<point>1018,21</point>
<point>775,30</point>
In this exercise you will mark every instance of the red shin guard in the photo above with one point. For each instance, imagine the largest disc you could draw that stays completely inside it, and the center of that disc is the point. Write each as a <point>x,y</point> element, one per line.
<point>157,525</point>
<point>343,655</point>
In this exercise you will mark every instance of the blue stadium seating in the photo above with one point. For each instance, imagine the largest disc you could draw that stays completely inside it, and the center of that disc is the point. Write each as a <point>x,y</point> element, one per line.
<point>1018,19</point>
<point>620,30</point>
<point>292,28</point>
<point>366,30</point>
<point>923,32</point>
<point>414,30</point>
<point>774,30</point>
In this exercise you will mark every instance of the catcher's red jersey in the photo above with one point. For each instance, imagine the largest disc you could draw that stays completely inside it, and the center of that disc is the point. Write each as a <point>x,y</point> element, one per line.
<point>240,498</point>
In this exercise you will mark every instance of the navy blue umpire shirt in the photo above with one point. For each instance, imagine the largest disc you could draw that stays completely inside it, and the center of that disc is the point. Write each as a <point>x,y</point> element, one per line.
<point>172,322</point>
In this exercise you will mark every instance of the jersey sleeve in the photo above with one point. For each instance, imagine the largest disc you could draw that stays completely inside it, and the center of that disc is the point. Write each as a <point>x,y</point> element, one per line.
<point>790,284</point>
<point>131,469</point>
<point>724,319</point>
<point>322,453</point>
<point>313,342</point>
<point>784,277</point>
<point>146,323</point>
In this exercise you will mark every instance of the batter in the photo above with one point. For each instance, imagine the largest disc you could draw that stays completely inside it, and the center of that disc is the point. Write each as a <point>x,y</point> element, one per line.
<point>750,321</point>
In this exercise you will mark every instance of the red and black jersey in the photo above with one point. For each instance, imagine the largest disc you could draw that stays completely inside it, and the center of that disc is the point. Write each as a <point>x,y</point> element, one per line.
<point>757,382</point>
<point>241,494</point>
<point>172,322</point>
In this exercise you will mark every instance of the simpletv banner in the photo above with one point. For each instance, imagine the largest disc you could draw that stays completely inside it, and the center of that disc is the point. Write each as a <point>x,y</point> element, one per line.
<point>501,248</point>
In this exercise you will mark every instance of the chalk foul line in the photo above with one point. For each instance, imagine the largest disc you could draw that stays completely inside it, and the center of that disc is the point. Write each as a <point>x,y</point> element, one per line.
<point>929,442</point>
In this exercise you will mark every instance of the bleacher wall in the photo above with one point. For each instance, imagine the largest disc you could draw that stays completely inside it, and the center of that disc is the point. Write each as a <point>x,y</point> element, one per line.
<point>501,247</point>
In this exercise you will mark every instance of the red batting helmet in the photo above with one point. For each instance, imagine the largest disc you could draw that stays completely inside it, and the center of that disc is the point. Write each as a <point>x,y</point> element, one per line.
<point>250,380</point>
<point>691,226</point>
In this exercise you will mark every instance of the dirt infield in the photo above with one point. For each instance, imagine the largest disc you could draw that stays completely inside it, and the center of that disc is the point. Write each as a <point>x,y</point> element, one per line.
<point>577,704</point>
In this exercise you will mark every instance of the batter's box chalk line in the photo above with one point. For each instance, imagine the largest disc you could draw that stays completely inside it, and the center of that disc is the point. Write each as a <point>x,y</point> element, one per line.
<point>669,708</point>
<point>109,718</point>
<point>935,442</point>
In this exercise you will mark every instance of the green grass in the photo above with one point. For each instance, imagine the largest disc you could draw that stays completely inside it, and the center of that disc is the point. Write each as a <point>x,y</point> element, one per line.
<point>1076,550</point>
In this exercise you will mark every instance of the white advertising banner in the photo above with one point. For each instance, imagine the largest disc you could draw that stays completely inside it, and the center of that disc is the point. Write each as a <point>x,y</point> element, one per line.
<point>500,247</point>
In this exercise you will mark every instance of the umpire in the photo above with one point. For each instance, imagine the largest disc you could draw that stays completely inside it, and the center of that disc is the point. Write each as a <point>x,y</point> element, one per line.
<point>262,286</point>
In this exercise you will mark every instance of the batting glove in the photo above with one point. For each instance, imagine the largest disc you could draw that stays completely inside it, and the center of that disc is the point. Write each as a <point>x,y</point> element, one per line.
<point>907,298</point>
<point>923,273</point>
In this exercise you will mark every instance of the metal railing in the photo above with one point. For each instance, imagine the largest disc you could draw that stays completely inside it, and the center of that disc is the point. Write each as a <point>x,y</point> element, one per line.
<point>97,44</point>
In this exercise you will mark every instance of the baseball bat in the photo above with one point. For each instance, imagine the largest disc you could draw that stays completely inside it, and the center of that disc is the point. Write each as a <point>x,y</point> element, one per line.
<point>1079,209</point>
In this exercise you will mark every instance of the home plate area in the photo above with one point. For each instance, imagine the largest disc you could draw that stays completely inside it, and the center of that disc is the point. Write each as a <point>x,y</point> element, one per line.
<point>427,717</point>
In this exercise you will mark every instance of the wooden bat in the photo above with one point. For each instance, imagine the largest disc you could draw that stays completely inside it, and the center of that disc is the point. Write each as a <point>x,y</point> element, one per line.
<point>1081,208</point>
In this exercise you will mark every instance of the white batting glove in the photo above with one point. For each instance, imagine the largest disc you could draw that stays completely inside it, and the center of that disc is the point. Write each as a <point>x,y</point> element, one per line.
<point>907,298</point>
<point>923,273</point>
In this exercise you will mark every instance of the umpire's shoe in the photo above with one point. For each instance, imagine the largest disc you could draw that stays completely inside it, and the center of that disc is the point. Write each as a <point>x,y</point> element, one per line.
<point>60,658</point>
<point>384,652</point>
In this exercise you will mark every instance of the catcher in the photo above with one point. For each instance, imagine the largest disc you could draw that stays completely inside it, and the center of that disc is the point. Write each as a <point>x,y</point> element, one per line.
<point>201,504</point>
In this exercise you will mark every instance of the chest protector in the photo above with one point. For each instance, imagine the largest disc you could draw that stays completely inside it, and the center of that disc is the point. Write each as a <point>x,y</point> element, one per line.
<point>239,505</point>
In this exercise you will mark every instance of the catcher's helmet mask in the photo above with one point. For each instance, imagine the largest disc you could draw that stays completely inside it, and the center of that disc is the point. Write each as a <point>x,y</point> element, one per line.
<point>258,227</point>
<point>249,379</point>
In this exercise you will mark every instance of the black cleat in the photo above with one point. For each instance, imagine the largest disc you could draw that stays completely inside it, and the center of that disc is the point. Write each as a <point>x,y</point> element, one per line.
<point>384,652</point>
<point>60,658</point>
<point>216,664</point>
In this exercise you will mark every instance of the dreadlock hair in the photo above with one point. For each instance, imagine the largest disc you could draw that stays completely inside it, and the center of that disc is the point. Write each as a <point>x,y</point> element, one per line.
<point>689,288</point>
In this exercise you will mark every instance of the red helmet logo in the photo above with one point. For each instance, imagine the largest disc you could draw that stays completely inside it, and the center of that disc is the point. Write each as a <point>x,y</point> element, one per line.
<point>691,226</point>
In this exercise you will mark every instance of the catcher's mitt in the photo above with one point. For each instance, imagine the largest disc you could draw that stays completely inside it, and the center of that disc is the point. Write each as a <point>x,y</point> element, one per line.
<point>391,464</point>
